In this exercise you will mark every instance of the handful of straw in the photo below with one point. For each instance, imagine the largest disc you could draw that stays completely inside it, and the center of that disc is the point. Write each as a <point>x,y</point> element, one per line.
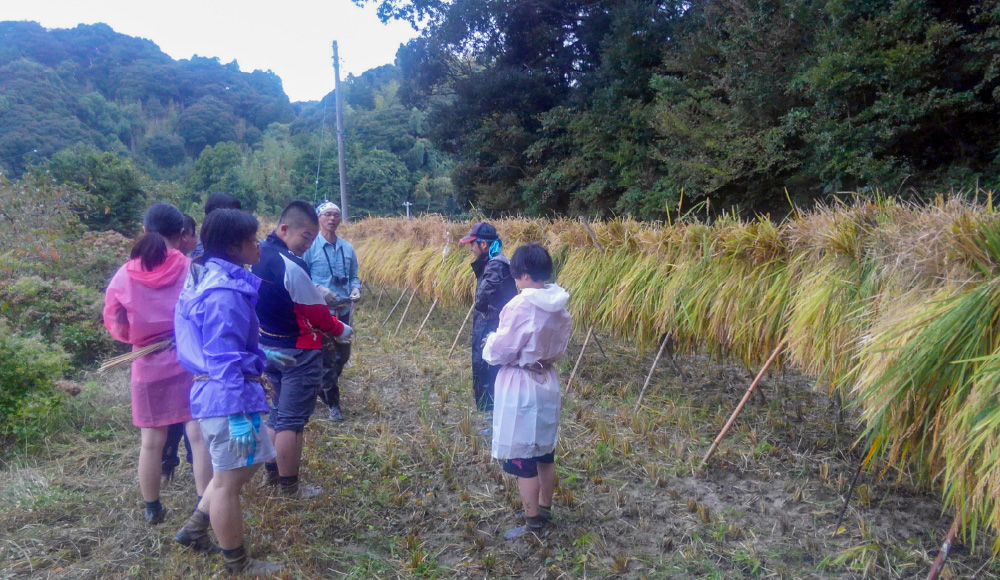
<point>129,357</point>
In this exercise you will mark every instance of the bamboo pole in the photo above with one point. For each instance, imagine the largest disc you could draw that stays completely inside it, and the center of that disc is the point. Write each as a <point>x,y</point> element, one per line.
<point>572,375</point>
<point>673,362</point>
<point>593,236</point>
<point>850,493</point>
<point>403,293</point>
<point>405,310</point>
<point>743,402</point>
<point>460,329</point>
<point>651,369</point>
<point>598,343</point>
<point>942,556</point>
<point>379,301</point>
<point>419,330</point>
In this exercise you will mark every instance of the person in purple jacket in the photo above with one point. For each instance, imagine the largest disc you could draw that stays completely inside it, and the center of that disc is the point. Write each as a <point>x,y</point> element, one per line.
<point>217,334</point>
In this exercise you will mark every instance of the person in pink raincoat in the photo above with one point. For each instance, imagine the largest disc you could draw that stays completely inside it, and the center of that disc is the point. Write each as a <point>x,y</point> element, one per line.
<point>139,309</point>
<point>533,333</point>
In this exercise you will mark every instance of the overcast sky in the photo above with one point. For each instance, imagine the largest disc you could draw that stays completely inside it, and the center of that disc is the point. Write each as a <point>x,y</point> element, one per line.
<point>289,37</point>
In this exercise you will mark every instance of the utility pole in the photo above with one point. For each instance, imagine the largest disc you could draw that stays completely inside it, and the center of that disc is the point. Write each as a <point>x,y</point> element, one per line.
<point>407,204</point>
<point>340,135</point>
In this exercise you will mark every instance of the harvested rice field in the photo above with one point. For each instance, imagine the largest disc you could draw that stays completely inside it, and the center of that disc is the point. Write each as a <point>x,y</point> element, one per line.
<point>411,491</point>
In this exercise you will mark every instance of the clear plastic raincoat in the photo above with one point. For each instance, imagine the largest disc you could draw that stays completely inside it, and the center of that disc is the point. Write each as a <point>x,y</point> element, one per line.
<point>533,333</point>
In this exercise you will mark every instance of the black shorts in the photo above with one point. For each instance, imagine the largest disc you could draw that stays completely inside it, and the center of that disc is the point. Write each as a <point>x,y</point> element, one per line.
<point>528,467</point>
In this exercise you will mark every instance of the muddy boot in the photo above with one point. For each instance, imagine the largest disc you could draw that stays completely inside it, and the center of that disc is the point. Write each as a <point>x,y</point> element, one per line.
<point>194,534</point>
<point>292,488</point>
<point>155,513</point>
<point>270,477</point>
<point>533,525</point>
<point>239,562</point>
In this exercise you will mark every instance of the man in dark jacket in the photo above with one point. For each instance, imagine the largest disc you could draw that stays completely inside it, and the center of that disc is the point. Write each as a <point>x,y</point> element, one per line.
<point>494,289</point>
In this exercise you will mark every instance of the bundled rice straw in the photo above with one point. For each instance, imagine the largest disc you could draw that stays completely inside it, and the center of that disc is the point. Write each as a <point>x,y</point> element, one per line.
<point>129,357</point>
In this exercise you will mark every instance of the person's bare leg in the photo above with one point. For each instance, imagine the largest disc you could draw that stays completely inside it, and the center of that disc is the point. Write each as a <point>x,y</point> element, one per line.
<point>288,444</point>
<point>529,488</point>
<point>151,461</point>
<point>202,459</point>
<point>224,504</point>
<point>205,505</point>
<point>546,483</point>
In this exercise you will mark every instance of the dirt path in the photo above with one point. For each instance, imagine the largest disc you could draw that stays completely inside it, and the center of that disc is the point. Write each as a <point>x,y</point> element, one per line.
<point>411,489</point>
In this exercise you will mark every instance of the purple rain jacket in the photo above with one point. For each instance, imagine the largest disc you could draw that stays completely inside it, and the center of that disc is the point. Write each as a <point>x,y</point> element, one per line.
<point>217,333</point>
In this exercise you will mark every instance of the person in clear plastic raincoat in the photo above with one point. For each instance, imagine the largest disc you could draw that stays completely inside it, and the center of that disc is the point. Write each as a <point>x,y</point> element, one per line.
<point>533,333</point>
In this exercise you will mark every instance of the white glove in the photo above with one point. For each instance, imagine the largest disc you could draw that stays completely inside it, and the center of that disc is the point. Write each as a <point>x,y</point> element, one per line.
<point>355,294</point>
<point>345,337</point>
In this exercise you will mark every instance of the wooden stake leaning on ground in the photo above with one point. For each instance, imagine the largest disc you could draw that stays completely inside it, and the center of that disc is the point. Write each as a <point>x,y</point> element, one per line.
<point>129,357</point>
<point>601,348</point>
<point>651,369</point>
<point>942,556</point>
<point>393,309</point>
<point>419,330</point>
<point>583,349</point>
<point>460,329</point>
<point>850,492</point>
<point>379,301</point>
<point>743,402</point>
<point>405,310</point>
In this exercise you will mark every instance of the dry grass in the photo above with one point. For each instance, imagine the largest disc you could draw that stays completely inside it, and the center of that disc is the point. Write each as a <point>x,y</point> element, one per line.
<point>411,490</point>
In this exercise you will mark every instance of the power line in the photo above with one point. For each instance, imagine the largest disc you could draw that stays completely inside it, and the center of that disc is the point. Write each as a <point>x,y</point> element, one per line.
<point>319,157</point>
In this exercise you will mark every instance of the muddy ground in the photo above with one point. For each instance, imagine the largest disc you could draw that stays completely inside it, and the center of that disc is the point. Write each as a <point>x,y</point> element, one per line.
<point>411,491</point>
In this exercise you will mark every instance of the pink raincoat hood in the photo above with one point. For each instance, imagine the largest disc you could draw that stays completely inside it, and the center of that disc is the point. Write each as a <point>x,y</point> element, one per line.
<point>165,274</point>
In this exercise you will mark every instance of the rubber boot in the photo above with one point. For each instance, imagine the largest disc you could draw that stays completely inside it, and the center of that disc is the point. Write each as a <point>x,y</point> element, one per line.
<point>154,517</point>
<point>239,562</point>
<point>194,534</point>
<point>295,490</point>
<point>270,479</point>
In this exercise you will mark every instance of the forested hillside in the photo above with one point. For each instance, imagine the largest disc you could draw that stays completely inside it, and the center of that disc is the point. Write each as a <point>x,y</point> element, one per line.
<point>114,116</point>
<point>550,107</point>
<point>627,106</point>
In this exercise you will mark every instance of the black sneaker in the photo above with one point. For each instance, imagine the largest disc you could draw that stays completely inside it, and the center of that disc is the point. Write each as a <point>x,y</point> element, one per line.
<point>335,414</point>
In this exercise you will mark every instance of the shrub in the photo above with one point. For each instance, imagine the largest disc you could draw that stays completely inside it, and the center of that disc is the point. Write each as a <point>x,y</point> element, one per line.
<point>62,313</point>
<point>92,259</point>
<point>29,368</point>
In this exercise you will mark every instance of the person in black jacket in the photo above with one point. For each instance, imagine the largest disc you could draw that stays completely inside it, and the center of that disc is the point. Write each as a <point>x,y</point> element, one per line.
<point>494,289</point>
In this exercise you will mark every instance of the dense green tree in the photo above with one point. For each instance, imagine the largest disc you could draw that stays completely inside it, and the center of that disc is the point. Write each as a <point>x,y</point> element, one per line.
<point>166,150</point>
<point>218,168</point>
<point>378,182</point>
<point>113,196</point>
<point>205,123</point>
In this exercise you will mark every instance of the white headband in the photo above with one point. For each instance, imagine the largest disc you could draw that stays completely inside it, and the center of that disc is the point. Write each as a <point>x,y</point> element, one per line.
<point>325,206</point>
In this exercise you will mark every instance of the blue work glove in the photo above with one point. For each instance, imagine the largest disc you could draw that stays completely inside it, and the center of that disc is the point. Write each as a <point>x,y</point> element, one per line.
<point>280,359</point>
<point>243,431</point>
